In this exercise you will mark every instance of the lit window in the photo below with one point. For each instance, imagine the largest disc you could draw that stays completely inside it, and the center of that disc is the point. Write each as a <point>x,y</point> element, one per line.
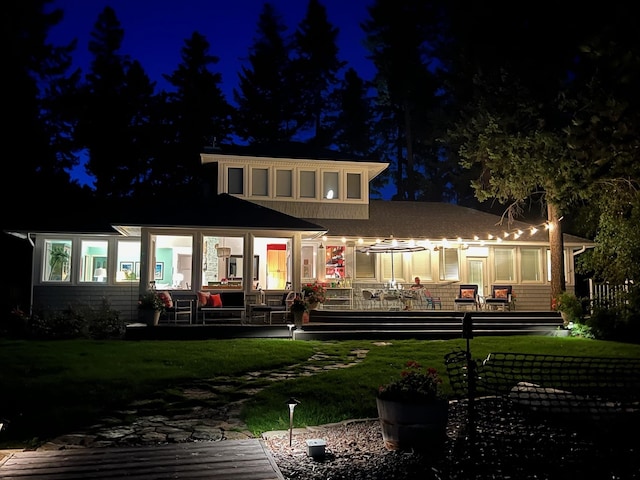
<point>94,261</point>
<point>530,264</point>
<point>57,265</point>
<point>128,261</point>
<point>330,185</point>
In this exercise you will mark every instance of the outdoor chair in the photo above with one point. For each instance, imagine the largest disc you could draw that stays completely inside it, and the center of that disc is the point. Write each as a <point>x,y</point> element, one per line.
<point>467,298</point>
<point>501,298</point>
<point>370,299</point>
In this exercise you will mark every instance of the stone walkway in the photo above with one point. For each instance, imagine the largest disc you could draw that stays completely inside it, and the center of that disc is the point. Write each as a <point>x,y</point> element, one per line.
<point>213,419</point>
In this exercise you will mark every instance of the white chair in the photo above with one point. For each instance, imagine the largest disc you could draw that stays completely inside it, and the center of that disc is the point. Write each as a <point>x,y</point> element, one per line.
<point>370,299</point>
<point>287,301</point>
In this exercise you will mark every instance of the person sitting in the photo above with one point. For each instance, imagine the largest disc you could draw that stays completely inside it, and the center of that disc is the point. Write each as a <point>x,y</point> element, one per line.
<point>417,285</point>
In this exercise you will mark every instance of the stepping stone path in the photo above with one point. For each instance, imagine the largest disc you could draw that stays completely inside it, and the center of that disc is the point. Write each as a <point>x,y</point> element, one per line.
<point>200,411</point>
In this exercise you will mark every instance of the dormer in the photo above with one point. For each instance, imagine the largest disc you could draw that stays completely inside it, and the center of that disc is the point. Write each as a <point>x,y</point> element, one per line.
<point>309,188</point>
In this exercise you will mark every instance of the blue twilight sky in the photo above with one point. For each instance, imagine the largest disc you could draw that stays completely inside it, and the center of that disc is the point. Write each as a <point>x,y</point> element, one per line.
<point>155,31</point>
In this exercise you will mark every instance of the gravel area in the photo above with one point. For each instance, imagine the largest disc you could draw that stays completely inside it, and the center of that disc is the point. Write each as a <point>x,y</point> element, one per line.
<point>506,444</point>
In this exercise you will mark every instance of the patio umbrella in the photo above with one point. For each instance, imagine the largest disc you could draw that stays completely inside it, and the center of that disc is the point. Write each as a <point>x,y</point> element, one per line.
<point>392,245</point>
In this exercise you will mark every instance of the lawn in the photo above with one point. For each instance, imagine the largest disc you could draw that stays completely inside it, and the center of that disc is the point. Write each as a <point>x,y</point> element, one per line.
<point>54,387</point>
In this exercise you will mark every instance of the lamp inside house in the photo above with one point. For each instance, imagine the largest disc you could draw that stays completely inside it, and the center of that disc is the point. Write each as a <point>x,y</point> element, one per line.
<point>292,402</point>
<point>177,279</point>
<point>100,274</point>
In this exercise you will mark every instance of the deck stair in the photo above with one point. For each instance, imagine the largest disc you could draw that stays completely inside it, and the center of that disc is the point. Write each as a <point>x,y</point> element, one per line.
<point>368,324</point>
<point>346,325</point>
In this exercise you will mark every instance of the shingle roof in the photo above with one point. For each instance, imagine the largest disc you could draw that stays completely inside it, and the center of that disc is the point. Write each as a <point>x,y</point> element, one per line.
<point>428,220</point>
<point>223,211</point>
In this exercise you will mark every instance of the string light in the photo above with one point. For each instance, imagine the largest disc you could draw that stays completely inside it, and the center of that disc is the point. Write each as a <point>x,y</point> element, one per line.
<point>465,244</point>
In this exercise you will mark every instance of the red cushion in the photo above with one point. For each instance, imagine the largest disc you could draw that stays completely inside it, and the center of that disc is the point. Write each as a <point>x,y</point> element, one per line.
<point>166,299</point>
<point>215,300</point>
<point>467,293</point>
<point>203,298</point>
<point>501,293</point>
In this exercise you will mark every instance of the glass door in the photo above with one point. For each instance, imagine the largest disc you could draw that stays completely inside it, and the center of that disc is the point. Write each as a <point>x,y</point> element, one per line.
<point>476,268</point>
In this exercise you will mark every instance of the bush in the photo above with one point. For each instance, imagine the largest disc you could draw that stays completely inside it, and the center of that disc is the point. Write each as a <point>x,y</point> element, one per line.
<point>84,321</point>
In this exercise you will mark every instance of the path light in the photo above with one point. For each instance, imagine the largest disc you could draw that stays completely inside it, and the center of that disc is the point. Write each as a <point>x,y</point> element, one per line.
<point>290,327</point>
<point>292,402</point>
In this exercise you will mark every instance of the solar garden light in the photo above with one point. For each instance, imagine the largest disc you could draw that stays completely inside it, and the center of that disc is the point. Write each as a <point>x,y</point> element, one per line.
<point>292,402</point>
<point>290,326</point>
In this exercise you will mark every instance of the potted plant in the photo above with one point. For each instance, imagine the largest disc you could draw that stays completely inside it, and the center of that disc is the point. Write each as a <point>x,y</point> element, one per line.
<point>569,306</point>
<point>413,410</point>
<point>151,307</point>
<point>298,308</point>
<point>313,294</point>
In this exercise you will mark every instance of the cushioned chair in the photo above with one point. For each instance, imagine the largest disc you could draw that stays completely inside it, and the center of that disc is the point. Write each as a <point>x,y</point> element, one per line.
<point>176,308</point>
<point>500,299</point>
<point>467,298</point>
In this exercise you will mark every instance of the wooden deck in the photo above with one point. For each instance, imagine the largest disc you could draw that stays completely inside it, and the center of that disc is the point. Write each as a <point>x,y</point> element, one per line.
<point>227,460</point>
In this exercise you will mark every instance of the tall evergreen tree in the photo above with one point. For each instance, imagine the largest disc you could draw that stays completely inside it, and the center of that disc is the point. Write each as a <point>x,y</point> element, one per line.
<point>115,100</point>
<point>196,114</point>
<point>400,36</point>
<point>265,112</point>
<point>37,77</point>
<point>315,67</point>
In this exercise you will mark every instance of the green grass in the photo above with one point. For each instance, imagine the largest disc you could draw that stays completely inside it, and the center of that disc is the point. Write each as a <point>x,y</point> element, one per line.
<point>54,387</point>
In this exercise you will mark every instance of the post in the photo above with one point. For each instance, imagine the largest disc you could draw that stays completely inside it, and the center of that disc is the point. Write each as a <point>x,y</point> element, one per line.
<point>467,333</point>
<point>292,402</point>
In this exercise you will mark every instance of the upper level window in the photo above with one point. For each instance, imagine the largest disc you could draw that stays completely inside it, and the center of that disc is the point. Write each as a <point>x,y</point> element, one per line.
<point>330,186</point>
<point>57,265</point>
<point>260,182</point>
<point>236,180</point>
<point>284,183</point>
<point>93,258</point>
<point>354,189</point>
<point>307,184</point>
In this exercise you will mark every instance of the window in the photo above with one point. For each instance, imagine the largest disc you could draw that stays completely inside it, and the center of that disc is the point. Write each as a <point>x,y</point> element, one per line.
<point>393,266</point>
<point>260,182</point>
<point>128,261</point>
<point>275,270</point>
<point>172,267</point>
<point>236,181</point>
<point>335,262</point>
<point>223,260</point>
<point>365,266</point>
<point>330,186</point>
<point>308,262</point>
<point>421,264</point>
<point>353,185</point>
<point>307,184</point>
<point>530,264</point>
<point>503,258</point>
<point>449,268</point>
<point>57,265</point>
<point>284,183</point>
<point>93,261</point>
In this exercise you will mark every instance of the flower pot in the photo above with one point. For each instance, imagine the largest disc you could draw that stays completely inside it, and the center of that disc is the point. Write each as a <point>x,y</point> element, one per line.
<point>150,317</point>
<point>313,306</point>
<point>413,426</point>
<point>297,319</point>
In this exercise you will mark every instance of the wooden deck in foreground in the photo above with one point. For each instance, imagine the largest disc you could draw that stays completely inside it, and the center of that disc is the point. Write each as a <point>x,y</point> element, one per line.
<point>227,460</point>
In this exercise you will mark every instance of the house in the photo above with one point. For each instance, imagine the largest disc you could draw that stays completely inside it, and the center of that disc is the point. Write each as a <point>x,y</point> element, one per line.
<point>276,222</point>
